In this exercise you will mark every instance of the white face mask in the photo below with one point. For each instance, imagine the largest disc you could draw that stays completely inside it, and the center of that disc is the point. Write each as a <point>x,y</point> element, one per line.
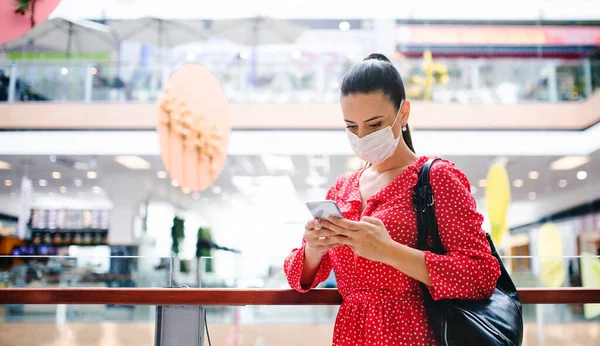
<point>375,147</point>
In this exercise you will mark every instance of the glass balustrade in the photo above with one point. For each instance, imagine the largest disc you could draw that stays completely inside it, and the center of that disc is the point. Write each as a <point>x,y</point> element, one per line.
<point>467,81</point>
<point>545,324</point>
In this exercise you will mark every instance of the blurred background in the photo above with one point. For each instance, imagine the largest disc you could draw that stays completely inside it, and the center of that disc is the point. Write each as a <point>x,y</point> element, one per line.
<point>508,91</point>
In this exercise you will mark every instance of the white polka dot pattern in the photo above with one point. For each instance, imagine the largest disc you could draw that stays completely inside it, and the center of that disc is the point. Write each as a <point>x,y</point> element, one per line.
<point>383,306</point>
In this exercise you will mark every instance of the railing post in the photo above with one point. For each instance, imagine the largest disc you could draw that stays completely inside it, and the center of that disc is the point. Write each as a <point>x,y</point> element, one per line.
<point>89,80</point>
<point>474,75</point>
<point>552,83</point>
<point>539,323</point>
<point>12,83</point>
<point>587,78</point>
<point>180,326</point>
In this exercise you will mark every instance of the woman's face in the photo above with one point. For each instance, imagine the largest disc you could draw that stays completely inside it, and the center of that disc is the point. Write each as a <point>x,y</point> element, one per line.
<point>367,113</point>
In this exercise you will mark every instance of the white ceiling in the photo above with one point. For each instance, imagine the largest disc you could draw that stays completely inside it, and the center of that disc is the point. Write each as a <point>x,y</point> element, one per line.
<point>312,9</point>
<point>308,142</point>
<point>271,182</point>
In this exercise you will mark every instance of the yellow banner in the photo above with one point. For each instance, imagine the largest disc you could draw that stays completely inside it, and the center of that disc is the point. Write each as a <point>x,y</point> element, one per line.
<point>497,200</point>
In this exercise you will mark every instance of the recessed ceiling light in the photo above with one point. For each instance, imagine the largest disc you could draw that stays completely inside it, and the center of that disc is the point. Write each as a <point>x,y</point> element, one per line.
<point>56,175</point>
<point>245,55</point>
<point>97,189</point>
<point>174,183</point>
<point>581,175</point>
<point>8,183</point>
<point>63,189</point>
<point>92,175</point>
<point>518,183</point>
<point>196,195</point>
<point>532,196</point>
<point>482,183</point>
<point>533,175</point>
<point>4,166</point>
<point>161,174</point>
<point>344,26</point>
<point>43,182</point>
<point>78,182</point>
<point>133,162</point>
<point>562,183</point>
<point>52,158</point>
<point>64,71</point>
<point>81,166</point>
<point>569,162</point>
<point>216,190</point>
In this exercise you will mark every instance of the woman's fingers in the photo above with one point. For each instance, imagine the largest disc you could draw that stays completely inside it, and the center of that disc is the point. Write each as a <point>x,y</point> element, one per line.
<point>322,233</point>
<point>337,229</point>
<point>312,225</point>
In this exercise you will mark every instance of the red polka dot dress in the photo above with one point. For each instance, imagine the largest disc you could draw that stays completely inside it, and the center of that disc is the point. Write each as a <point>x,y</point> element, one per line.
<point>383,306</point>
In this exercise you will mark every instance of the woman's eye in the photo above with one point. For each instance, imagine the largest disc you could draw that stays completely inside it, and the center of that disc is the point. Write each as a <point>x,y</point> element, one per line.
<point>351,127</point>
<point>375,125</point>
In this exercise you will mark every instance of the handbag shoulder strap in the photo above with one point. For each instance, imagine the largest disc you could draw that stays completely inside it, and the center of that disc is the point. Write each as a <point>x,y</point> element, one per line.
<point>423,203</point>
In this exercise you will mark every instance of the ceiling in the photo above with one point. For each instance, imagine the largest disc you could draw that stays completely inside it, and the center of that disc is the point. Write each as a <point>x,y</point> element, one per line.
<point>296,174</point>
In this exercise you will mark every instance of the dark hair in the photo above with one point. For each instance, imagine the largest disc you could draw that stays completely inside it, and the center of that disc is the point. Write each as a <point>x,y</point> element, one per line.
<point>376,73</point>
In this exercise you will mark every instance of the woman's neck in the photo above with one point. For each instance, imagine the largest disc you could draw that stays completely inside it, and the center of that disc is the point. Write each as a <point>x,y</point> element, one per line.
<point>402,158</point>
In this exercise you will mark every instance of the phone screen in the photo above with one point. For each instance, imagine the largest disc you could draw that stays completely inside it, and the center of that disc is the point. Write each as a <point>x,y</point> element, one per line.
<point>324,209</point>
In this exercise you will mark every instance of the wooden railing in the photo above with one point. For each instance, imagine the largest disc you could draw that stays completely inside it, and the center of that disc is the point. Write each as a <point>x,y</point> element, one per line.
<point>195,296</point>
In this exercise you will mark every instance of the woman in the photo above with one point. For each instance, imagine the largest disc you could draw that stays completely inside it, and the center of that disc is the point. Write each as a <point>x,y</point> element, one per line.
<point>372,251</point>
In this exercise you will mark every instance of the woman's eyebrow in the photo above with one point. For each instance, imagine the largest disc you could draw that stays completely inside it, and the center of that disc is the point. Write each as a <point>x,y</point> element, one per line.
<point>366,121</point>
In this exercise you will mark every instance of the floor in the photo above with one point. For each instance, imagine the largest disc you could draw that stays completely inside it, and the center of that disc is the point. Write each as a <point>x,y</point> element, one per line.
<point>127,334</point>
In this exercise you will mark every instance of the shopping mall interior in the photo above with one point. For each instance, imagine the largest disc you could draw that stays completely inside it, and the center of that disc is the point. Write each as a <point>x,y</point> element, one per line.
<point>94,195</point>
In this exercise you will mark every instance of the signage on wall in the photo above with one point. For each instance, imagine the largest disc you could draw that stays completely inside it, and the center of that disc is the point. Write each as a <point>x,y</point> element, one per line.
<point>490,35</point>
<point>193,127</point>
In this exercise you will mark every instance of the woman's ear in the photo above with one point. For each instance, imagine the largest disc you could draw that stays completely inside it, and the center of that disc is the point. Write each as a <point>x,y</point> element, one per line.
<point>405,112</point>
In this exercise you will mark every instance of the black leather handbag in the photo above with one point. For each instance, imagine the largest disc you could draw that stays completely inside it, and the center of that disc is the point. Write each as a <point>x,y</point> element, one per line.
<point>494,321</point>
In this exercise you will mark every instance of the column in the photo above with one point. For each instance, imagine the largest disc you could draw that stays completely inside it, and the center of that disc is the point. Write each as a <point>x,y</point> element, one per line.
<point>384,36</point>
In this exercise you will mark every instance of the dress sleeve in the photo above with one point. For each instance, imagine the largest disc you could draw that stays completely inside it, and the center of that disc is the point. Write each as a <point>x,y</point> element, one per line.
<point>467,270</point>
<point>294,263</point>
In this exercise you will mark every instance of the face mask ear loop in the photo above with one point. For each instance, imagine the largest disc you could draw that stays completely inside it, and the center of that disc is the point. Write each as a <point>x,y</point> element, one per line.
<point>397,114</point>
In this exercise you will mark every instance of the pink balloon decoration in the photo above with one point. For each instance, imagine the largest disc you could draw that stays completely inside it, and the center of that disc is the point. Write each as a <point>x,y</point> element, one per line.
<point>14,25</point>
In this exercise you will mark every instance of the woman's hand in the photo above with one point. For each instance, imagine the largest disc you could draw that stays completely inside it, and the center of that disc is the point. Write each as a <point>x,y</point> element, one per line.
<point>318,240</point>
<point>368,238</point>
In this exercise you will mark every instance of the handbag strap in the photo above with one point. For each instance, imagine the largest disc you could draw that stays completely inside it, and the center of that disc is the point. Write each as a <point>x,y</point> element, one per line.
<point>427,226</point>
<point>423,204</point>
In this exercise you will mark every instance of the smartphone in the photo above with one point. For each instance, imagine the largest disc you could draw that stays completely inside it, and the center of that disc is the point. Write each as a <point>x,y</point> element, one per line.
<point>323,209</point>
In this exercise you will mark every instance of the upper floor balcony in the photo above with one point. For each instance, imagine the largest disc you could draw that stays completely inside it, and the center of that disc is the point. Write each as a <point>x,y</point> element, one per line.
<point>303,79</point>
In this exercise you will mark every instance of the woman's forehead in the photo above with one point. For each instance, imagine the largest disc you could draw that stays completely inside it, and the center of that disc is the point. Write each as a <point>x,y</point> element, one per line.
<point>366,105</point>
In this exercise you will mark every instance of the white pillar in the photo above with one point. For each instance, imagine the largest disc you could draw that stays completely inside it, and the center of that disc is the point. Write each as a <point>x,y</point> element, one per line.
<point>126,192</point>
<point>384,36</point>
